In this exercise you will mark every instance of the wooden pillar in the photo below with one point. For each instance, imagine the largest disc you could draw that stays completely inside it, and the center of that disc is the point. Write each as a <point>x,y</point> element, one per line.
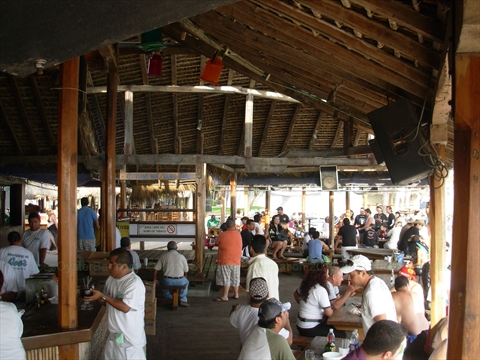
<point>331,214</point>
<point>268,194</point>
<point>222,206</point>
<point>248,125</point>
<point>347,204</point>
<point>465,285</point>
<point>67,194</point>
<point>201,178</point>
<point>233,195</point>
<point>123,196</point>
<point>103,217</point>
<point>110,178</point>
<point>365,201</point>
<point>437,244</point>
<point>304,208</point>
<point>246,205</point>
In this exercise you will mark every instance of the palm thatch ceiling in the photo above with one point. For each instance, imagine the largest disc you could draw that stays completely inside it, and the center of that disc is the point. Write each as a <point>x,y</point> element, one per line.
<point>316,69</point>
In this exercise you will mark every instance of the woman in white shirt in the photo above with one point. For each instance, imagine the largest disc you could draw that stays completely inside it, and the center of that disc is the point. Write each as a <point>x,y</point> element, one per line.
<point>314,303</point>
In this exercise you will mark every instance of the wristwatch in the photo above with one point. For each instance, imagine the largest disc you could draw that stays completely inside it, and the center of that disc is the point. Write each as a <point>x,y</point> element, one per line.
<point>104,299</point>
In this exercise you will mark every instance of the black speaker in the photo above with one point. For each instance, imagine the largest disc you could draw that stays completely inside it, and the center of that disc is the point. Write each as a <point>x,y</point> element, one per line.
<point>395,128</point>
<point>328,178</point>
<point>376,151</point>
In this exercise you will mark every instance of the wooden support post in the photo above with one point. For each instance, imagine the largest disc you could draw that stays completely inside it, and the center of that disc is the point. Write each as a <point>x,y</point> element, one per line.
<point>201,194</point>
<point>246,204</point>
<point>248,125</point>
<point>123,196</point>
<point>103,218</point>
<point>222,206</point>
<point>304,208</point>
<point>437,244</point>
<point>331,216</point>
<point>67,193</point>
<point>465,293</point>
<point>347,204</point>
<point>233,195</point>
<point>110,179</point>
<point>268,195</point>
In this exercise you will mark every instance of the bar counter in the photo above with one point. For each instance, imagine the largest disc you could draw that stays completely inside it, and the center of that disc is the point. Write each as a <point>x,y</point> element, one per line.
<point>41,329</point>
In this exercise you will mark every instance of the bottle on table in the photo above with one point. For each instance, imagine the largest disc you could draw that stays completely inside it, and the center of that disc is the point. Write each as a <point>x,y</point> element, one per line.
<point>330,345</point>
<point>354,340</point>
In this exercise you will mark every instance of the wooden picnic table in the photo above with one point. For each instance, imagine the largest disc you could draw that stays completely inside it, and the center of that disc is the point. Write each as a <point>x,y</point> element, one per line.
<point>284,265</point>
<point>343,320</point>
<point>317,344</point>
<point>372,254</point>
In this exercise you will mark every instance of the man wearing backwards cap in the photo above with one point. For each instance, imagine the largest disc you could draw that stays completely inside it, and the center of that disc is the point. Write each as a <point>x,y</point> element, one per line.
<point>245,317</point>
<point>377,302</point>
<point>264,342</point>
<point>414,287</point>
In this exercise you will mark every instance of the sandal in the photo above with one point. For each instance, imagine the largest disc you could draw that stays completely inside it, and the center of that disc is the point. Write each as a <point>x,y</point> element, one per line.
<point>219,299</point>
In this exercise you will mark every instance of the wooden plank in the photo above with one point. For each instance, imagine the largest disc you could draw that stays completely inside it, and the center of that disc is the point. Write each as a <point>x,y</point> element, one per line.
<point>464,292</point>
<point>338,133</point>
<point>67,193</point>
<point>128,127</point>
<point>148,105</point>
<point>110,179</point>
<point>21,109</point>
<point>317,129</point>
<point>13,135</point>
<point>200,125</point>
<point>42,112</point>
<point>298,108</point>
<point>268,121</point>
<point>226,104</point>
<point>407,17</point>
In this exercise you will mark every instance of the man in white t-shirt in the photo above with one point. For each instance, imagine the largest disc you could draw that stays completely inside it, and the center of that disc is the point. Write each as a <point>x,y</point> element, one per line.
<point>258,230</point>
<point>245,317</point>
<point>124,296</point>
<point>21,259</point>
<point>35,239</point>
<point>377,301</point>
<point>260,265</point>
<point>9,290</point>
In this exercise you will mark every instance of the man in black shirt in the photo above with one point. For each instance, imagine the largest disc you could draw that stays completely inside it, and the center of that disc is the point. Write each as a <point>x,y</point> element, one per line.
<point>370,237</point>
<point>349,237</point>
<point>379,218</point>
<point>414,230</point>
<point>283,217</point>
<point>391,218</point>
<point>360,221</point>
<point>247,237</point>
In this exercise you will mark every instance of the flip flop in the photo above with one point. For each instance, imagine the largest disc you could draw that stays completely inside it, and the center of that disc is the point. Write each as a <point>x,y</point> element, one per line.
<point>219,299</point>
<point>233,297</point>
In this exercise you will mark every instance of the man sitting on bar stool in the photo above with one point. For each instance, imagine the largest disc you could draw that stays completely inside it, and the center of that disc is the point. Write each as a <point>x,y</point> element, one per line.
<point>174,268</point>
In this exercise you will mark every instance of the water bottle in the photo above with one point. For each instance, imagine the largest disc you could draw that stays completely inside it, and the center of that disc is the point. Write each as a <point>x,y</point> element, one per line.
<point>354,341</point>
<point>330,345</point>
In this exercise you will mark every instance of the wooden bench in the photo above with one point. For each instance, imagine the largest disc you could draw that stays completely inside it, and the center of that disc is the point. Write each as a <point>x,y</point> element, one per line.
<point>174,290</point>
<point>301,341</point>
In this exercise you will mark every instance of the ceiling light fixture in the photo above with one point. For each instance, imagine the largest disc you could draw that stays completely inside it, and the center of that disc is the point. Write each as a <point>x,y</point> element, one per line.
<point>155,65</point>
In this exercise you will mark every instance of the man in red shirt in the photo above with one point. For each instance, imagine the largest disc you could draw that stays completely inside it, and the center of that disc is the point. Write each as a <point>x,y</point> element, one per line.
<point>229,253</point>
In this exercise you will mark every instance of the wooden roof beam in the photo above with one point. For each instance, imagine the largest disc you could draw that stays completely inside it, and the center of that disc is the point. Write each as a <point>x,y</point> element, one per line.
<point>317,128</point>
<point>41,111</point>
<point>23,113</point>
<point>4,118</point>
<point>148,105</point>
<point>298,108</point>
<point>338,134</point>
<point>268,121</point>
<point>406,17</point>
<point>327,153</point>
<point>96,115</point>
<point>345,38</point>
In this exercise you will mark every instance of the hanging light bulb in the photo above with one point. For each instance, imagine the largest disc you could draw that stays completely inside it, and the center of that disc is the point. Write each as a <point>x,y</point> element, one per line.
<point>213,69</point>
<point>154,65</point>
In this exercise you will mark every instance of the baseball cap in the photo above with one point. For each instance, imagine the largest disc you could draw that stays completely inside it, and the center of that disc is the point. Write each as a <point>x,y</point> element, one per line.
<point>407,272</point>
<point>419,222</point>
<point>357,262</point>
<point>272,308</point>
<point>279,208</point>
<point>258,288</point>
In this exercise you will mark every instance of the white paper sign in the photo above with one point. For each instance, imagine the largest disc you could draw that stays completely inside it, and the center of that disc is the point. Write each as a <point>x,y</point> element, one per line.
<point>157,229</point>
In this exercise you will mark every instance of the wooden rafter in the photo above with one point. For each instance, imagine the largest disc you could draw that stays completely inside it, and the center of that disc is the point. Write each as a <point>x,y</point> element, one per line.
<point>286,32</point>
<point>353,42</point>
<point>96,115</point>
<point>338,134</point>
<point>347,136</point>
<point>41,111</point>
<point>325,153</point>
<point>226,105</point>
<point>318,126</point>
<point>298,108</point>
<point>268,121</point>
<point>148,105</point>
<point>13,134</point>
<point>23,114</point>
<point>409,18</point>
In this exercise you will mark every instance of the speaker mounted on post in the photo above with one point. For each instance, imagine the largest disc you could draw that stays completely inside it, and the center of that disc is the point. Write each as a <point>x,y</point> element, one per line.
<point>328,178</point>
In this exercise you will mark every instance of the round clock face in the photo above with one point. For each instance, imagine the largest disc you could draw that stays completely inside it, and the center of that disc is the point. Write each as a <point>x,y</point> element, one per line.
<point>329,182</point>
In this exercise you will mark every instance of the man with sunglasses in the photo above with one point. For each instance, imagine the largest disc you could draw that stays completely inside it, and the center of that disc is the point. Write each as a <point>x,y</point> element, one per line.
<point>377,301</point>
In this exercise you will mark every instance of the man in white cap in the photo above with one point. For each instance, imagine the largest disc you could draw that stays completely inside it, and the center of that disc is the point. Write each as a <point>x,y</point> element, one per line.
<point>264,341</point>
<point>377,302</point>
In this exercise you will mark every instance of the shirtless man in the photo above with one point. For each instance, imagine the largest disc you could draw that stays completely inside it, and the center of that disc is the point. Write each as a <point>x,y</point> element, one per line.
<point>415,322</point>
<point>414,287</point>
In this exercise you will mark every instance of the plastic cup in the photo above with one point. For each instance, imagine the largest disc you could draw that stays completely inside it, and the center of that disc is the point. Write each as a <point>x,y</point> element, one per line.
<point>309,354</point>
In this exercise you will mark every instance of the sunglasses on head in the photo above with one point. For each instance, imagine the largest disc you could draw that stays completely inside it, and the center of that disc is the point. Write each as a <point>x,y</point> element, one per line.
<point>351,263</point>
